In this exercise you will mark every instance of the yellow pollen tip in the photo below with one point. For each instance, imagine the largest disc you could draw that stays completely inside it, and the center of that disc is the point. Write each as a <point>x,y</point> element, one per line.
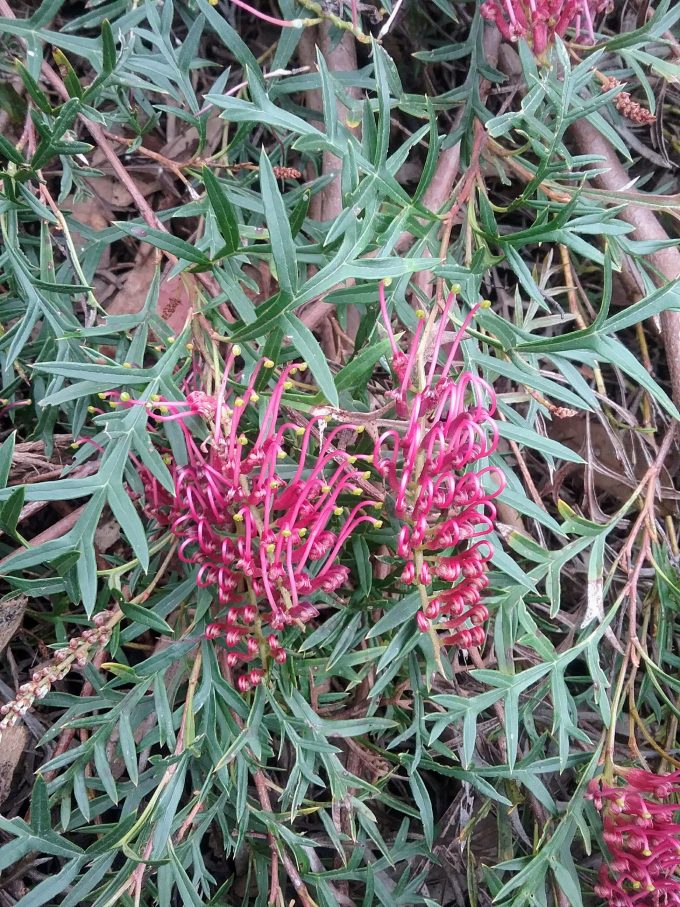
<point>421,313</point>
<point>171,338</point>
<point>281,455</point>
<point>294,370</point>
<point>360,429</point>
<point>366,474</point>
<point>287,385</point>
<point>92,409</point>
<point>164,409</point>
<point>646,853</point>
<point>102,396</point>
<point>355,491</point>
<point>302,532</point>
<point>158,348</point>
<point>75,445</point>
<point>325,488</point>
<point>167,459</point>
<point>127,365</point>
<point>239,401</point>
<point>299,430</point>
<point>338,511</point>
<point>377,524</point>
<point>286,533</point>
<point>302,366</point>
<point>271,548</point>
<point>378,505</point>
<point>242,440</point>
<point>351,460</point>
<point>485,304</point>
<point>268,363</point>
<point>236,349</point>
<point>190,347</point>
<point>254,398</point>
<point>387,281</point>
<point>238,517</point>
<point>115,403</point>
<point>274,485</point>
<point>125,396</point>
<point>455,288</point>
<point>155,397</point>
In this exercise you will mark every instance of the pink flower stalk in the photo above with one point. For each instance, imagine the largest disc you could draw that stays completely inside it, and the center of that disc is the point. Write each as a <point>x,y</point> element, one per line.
<point>643,839</point>
<point>265,535</point>
<point>539,21</point>
<point>435,469</point>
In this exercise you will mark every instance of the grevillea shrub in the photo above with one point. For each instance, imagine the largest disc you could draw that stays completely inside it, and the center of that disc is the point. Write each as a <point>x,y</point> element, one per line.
<point>339,388</point>
<point>269,496</point>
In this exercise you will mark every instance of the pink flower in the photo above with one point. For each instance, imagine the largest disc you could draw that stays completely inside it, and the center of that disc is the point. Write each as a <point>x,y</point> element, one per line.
<point>538,21</point>
<point>642,838</point>
<point>443,492</point>
<point>261,509</point>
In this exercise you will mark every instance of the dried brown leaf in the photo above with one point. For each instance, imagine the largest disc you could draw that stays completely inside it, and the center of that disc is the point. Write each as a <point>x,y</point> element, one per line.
<point>14,741</point>
<point>11,614</point>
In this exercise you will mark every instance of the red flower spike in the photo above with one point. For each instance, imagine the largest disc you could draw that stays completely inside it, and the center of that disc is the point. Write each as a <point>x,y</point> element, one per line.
<point>539,21</point>
<point>643,839</point>
<point>435,469</point>
<point>264,538</point>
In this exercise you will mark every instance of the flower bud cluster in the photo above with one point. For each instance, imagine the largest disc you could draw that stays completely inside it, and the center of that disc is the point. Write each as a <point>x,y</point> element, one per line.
<point>642,837</point>
<point>436,467</point>
<point>262,508</point>
<point>78,652</point>
<point>539,21</point>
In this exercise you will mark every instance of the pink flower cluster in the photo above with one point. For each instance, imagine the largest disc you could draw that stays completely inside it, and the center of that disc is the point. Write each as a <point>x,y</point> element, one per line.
<point>264,506</point>
<point>442,495</point>
<point>642,837</point>
<point>539,21</point>
<point>264,534</point>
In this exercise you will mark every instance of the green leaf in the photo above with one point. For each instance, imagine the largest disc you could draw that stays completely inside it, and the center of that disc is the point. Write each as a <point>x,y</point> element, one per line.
<point>308,346</point>
<point>283,246</point>
<point>361,366</point>
<point>424,804</point>
<point>129,522</point>
<point>10,511</point>
<point>534,441</point>
<point>396,615</point>
<point>108,49</point>
<point>223,210</point>
<point>8,150</point>
<point>128,747</point>
<point>35,92</point>
<point>41,822</point>
<point>147,618</point>
<point>165,241</point>
<point>6,456</point>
